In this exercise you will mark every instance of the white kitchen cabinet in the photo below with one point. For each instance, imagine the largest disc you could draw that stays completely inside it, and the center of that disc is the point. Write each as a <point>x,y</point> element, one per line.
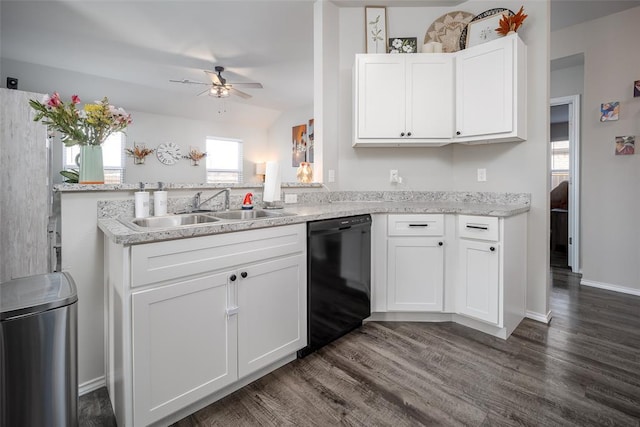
<point>190,319</point>
<point>479,290</point>
<point>272,312</point>
<point>491,92</point>
<point>184,345</point>
<point>403,99</point>
<point>491,274</point>
<point>415,263</point>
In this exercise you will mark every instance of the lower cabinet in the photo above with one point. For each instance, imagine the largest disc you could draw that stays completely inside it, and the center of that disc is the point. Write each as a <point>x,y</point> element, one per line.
<point>478,283</point>
<point>415,262</point>
<point>184,345</point>
<point>415,274</point>
<point>175,342</point>
<point>464,268</point>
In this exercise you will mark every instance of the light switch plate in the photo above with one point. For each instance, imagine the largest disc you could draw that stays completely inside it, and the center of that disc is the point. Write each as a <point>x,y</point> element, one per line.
<point>291,198</point>
<point>482,175</point>
<point>332,175</point>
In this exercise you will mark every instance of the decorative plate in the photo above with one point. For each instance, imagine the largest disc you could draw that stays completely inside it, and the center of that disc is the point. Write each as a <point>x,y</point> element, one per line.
<point>484,15</point>
<point>447,30</point>
<point>168,153</point>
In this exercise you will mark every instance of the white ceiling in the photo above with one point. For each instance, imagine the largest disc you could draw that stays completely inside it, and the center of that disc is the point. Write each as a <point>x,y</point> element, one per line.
<point>144,44</point>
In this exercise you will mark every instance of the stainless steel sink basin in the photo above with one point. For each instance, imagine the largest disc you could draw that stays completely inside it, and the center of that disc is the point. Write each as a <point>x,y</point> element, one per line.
<point>250,214</point>
<point>173,220</point>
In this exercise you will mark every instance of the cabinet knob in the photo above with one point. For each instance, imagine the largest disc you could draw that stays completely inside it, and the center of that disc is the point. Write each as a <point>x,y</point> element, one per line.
<point>409,134</point>
<point>243,274</point>
<point>401,133</point>
<point>233,277</point>
<point>492,249</point>
<point>440,243</point>
<point>458,133</point>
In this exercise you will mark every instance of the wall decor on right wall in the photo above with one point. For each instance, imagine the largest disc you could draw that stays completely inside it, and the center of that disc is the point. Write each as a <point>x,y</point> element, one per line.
<point>609,111</point>
<point>636,89</point>
<point>625,145</point>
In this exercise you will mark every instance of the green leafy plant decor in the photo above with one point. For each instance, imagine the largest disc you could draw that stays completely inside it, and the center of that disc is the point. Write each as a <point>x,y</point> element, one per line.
<point>72,176</point>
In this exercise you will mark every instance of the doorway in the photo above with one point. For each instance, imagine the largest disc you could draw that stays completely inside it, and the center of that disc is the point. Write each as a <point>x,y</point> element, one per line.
<point>565,182</point>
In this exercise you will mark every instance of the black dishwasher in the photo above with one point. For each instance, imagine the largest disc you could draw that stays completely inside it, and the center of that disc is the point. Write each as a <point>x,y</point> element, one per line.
<point>338,278</point>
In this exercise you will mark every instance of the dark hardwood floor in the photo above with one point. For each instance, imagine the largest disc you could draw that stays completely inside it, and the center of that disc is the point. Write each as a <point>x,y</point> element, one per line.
<point>582,369</point>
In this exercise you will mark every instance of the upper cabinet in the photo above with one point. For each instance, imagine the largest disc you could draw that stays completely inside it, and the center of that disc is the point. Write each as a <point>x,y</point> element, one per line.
<point>477,95</point>
<point>491,92</point>
<point>403,99</point>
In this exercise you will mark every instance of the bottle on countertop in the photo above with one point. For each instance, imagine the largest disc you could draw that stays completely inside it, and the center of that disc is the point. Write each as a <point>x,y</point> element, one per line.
<point>160,201</point>
<point>141,199</point>
<point>247,203</point>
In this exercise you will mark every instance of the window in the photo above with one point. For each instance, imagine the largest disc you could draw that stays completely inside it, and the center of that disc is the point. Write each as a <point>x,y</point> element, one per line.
<point>224,160</point>
<point>112,157</point>
<point>559,162</point>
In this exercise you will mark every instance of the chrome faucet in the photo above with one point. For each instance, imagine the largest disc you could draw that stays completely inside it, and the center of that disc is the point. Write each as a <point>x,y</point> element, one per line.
<point>197,204</point>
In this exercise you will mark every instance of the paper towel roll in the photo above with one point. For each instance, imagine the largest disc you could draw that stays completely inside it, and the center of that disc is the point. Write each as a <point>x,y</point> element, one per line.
<point>272,183</point>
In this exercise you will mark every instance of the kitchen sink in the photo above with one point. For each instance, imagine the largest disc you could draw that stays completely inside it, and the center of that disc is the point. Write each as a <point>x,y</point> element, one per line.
<point>250,214</point>
<point>173,220</point>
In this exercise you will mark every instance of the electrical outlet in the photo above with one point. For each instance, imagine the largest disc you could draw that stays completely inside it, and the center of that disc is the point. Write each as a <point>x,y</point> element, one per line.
<point>291,198</point>
<point>332,175</point>
<point>482,175</point>
<point>393,176</point>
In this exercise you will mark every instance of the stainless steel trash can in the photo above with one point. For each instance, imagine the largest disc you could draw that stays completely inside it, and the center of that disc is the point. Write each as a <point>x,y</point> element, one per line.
<point>38,351</point>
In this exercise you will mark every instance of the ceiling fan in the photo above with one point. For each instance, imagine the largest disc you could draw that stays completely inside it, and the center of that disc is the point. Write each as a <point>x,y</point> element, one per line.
<point>219,87</point>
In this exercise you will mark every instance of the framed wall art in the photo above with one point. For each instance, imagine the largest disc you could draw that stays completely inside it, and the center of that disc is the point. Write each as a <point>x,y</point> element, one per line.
<point>625,145</point>
<point>375,23</point>
<point>403,45</point>
<point>482,28</point>
<point>636,89</point>
<point>609,111</point>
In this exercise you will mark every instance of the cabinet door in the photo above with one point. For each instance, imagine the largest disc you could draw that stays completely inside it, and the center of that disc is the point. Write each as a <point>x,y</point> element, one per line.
<point>184,345</point>
<point>272,313</point>
<point>479,281</point>
<point>484,89</point>
<point>380,96</point>
<point>415,274</point>
<point>430,97</point>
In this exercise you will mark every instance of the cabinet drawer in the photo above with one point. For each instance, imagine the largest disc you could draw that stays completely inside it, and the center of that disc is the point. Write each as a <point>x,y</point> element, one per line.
<point>416,225</point>
<point>478,227</point>
<point>156,262</point>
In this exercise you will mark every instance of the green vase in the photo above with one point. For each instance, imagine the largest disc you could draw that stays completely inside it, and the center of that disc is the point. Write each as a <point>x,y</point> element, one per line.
<point>91,167</point>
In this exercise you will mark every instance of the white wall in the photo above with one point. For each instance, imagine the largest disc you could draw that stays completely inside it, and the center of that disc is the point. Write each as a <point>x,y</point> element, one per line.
<point>154,129</point>
<point>567,81</point>
<point>517,167</point>
<point>280,141</point>
<point>609,183</point>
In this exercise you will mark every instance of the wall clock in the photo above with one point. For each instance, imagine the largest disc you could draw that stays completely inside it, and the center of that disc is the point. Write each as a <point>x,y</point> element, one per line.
<point>168,153</point>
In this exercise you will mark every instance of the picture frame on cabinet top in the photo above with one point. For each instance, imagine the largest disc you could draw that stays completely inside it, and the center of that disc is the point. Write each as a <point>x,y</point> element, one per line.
<point>375,26</point>
<point>482,28</point>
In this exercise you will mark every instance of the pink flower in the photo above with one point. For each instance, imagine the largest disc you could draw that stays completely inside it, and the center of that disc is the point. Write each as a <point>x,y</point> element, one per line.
<point>75,99</point>
<point>54,101</point>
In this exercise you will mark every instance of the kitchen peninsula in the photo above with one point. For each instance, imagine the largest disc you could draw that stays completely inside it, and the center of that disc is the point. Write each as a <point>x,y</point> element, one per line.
<point>436,256</point>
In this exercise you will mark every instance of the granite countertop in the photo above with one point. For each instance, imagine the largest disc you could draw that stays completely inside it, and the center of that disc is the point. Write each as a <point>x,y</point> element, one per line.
<point>119,233</point>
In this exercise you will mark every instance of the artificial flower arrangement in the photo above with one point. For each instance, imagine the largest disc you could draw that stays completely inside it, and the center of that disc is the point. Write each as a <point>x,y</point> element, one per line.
<point>88,126</point>
<point>511,23</point>
<point>138,152</point>
<point>195,156</point>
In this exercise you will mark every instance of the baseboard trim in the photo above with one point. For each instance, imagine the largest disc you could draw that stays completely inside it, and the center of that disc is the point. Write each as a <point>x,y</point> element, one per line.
<point>92,385</point>
<point>610,287</point>
<point>539,317</point>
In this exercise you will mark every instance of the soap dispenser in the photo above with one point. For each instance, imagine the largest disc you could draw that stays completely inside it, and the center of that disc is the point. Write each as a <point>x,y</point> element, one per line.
<point>141,199</point>
<point>160,201</point>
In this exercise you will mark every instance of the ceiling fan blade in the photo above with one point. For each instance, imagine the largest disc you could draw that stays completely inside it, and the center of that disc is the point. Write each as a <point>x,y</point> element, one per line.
<point>238,92</point>
<point>214,78</point>
<point>191,82</point>
<point>204,91</point>
<point>248,85</point>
